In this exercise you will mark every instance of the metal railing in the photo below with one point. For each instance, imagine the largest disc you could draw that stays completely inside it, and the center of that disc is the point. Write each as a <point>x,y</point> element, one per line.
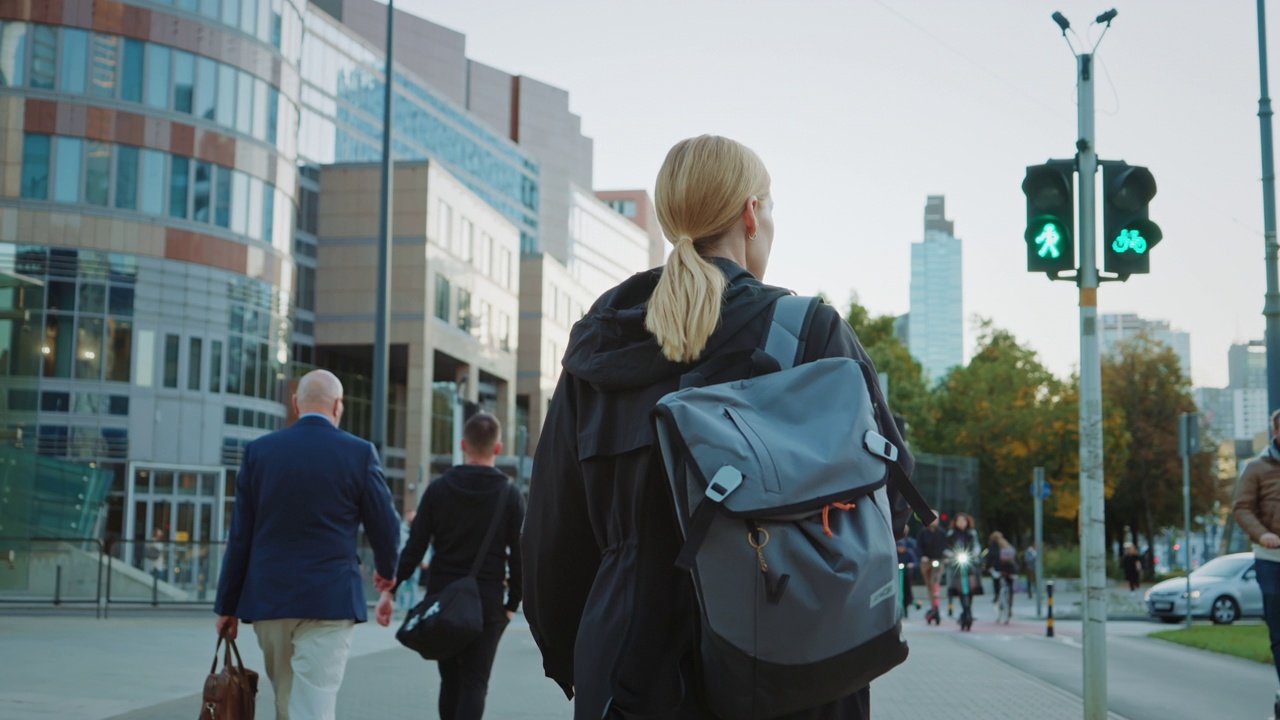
<point>80,572</point>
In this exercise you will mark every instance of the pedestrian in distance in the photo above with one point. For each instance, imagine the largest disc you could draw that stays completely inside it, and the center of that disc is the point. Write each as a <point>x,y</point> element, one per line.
<point>932,544</point>
<point>1131,563</point>
<point>1005,566</point>
<point>1029,558</point>
<point>989,563</point>
<point>453,517</point>
<point>617,622</point>
<point>291,567</point>
<point>154,551</point>
<point>1256,508</point>
<point>907,559</point>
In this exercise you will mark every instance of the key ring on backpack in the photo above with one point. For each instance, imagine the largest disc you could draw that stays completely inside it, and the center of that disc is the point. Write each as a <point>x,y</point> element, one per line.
<point>751,537</point>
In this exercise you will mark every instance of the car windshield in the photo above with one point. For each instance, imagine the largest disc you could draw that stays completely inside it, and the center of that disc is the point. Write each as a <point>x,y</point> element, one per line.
<point>1223,567</point>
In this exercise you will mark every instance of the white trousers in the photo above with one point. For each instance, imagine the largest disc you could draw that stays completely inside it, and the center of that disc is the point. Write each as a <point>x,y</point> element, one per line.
<point>306,660</point>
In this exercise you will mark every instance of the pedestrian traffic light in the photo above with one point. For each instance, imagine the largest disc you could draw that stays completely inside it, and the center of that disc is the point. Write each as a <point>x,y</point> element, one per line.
<point>1050,235</point>
<point>1128,233</point>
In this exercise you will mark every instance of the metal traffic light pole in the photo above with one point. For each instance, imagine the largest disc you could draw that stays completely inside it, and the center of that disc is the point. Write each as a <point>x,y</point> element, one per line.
<point>1092,498</point>
<point>1271,306</point>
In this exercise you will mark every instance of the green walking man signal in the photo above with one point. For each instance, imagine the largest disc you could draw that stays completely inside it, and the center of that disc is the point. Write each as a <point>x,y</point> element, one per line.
<point>1050,234</point>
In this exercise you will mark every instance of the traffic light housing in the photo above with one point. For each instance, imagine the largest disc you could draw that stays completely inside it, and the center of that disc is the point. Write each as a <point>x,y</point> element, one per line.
<point>1128,233</point>
<point>1050,234</point>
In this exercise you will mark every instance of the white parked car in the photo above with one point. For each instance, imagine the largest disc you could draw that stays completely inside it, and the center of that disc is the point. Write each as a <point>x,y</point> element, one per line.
<point>1224,590</point>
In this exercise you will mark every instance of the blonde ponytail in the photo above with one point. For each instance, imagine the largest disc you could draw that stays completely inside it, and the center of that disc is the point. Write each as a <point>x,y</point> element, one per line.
<point>685,307</point>
<point>702,189</point>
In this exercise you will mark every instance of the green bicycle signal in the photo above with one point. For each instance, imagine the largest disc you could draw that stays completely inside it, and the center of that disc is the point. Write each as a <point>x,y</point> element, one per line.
<point>1130,240</point>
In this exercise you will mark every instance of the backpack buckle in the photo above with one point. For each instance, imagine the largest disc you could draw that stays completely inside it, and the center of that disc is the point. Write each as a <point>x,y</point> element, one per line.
<point>880,445</point>
<point>726,480</point>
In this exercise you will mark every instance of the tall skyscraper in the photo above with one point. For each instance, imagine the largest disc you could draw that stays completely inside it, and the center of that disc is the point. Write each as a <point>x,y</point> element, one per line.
<point>935,334</point>
<point>1117,328</point>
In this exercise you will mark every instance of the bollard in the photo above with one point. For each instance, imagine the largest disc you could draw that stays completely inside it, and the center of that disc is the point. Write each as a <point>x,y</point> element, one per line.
<point>902,588</point>
<point>57,586</point>
<point>155,589</point>
<point>1049,597</point>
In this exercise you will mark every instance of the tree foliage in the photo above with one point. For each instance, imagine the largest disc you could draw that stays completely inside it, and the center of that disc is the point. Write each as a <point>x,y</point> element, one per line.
<point>1006,409</point>
<point>1143,381</point>
<point>909,394</point>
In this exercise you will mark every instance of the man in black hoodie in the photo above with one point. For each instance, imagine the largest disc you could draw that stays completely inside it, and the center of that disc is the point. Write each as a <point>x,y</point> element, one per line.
<point>453,516</point>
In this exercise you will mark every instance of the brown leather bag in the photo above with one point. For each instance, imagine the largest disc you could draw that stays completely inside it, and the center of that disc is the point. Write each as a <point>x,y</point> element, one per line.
<point>230,694</point>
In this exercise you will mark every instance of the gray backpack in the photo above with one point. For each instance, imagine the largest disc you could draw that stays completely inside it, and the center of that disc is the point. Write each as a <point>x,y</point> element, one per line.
<point>780,485</point>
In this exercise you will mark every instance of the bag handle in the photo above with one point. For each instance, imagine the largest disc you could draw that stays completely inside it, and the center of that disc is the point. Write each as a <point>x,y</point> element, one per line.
<point>231,647</point>
<point>493,530</point>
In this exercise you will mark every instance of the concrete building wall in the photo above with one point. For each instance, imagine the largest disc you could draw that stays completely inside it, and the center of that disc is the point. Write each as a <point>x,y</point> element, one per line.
<point>489,96</point>
<point>446,259</point>
<point>546,128</point>
<point>641,211</point>
<point>1118,328</point>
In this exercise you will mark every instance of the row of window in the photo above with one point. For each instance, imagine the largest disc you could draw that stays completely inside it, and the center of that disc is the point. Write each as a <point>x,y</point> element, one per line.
<point>483,253</point>
<point>72,170</point>
<point>563,308</point>
<point>111,67</point>
<point>493,328</point>
<point>246,368</point>
<point>272,21</point>
<point>79,403</point>
<point>252,419</point>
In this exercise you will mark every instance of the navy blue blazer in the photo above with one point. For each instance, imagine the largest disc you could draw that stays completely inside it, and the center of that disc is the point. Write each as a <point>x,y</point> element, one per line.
<point>301,496</point>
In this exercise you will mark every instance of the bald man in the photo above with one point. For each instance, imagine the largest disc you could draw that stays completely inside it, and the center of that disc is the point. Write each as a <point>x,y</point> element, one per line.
<point>290,566</point>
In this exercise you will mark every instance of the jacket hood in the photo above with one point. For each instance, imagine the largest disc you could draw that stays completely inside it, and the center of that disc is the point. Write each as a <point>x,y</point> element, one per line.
<point>611,349</point>
<point>474,484</point>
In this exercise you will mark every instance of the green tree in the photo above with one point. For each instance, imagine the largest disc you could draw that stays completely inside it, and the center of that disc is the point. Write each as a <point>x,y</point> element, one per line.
<point>1006,409</point>
<point>909,394</point>
<point>1143,381</point>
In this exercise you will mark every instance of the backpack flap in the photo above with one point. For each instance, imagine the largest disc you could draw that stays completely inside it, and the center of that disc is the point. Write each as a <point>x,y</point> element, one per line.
<point>796,447</point>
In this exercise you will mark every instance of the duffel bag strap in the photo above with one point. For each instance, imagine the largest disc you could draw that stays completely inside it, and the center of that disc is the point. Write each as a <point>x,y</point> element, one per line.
<point>503,501</point>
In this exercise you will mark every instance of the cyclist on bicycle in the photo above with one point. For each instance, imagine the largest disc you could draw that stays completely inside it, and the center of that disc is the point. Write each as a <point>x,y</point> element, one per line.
<point>1004,562</point>
<point>963,551</point>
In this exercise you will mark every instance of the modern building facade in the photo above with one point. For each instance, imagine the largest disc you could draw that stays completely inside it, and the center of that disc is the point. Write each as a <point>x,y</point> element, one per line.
<point>454,302</point>
<point>172,257</point>
<point>1119,328</point>
<point>638,207</point>
<point>935,335</point>
<point>146,211</point>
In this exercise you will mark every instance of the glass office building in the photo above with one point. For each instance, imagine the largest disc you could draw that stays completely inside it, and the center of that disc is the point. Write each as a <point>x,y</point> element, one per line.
<point>148,181</point>
<point>159,189</point>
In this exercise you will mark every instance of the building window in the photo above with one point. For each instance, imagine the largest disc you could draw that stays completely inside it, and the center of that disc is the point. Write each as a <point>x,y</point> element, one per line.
<point>225,113</point>
<point>215,366</point>
<point>203,190</point>
<point>127,177</point>
<point>467,241</point>
<point>104,60</point>
<point>152,182</point>
<point>504,269</point>
<point>268,214</point>
<point>66,178</point>
<point>89,348</point>
<point>44,56</point>
<point>75,60</point>
<point>131,77</point>
<point>465,321</point>
<point>119,349</point>
<point>244,103</point>
<point>194,356</point>
<point>442,298</point>
<point>221,198</point>
<point>444,224</point>
<point>59,334</point>
<point>180,187</point>
<point>97,179</point>
<point>158,66</point>
<point>306,292</point>
<point>206,88</point>
<point>35,167</point>
<point>184,80</point>
<point>239,201</point>
<point>171,361</point>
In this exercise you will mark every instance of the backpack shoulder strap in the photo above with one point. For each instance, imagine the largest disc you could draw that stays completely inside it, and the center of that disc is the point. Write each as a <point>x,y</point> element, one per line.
<point>785,339</point>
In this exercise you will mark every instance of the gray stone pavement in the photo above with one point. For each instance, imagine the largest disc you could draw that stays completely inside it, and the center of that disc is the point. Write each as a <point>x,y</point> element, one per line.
<point>150,666</point>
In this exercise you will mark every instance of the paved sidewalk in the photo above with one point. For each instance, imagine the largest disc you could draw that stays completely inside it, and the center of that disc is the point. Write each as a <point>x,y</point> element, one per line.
<point>151,668</point>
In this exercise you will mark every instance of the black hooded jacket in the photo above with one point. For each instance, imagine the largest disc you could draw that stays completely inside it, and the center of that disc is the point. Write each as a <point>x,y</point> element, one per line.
<point>453,516</point>
<point>616,621</point>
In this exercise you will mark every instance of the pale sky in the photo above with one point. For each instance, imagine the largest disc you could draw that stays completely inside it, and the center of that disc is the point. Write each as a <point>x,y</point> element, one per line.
<point>862,108</point>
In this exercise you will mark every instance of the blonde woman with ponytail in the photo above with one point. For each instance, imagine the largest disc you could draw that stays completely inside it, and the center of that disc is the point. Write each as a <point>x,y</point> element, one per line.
<point>616,621</point>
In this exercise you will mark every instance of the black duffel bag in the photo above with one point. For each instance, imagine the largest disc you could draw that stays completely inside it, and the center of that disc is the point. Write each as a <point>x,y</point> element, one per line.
<point>444,624</point>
